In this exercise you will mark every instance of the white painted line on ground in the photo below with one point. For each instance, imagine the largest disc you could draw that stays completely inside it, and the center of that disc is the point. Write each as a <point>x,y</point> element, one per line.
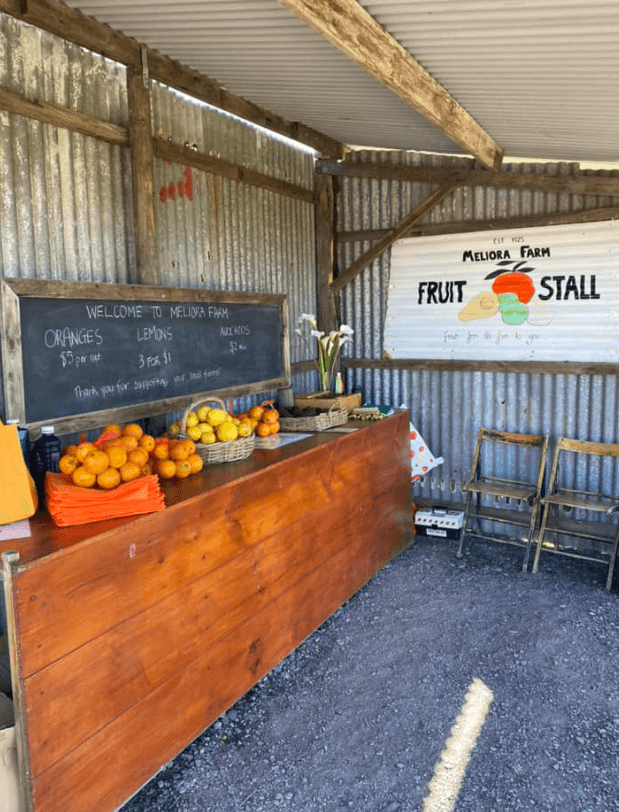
<point>449,772</point>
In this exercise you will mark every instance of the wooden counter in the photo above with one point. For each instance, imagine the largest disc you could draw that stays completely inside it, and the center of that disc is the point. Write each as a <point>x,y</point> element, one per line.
<point>129,637</point>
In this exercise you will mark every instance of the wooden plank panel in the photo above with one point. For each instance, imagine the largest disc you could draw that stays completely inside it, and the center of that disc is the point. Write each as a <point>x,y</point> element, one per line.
<point>69,700</point>
<point>126,753</point>
<point>48,591</point>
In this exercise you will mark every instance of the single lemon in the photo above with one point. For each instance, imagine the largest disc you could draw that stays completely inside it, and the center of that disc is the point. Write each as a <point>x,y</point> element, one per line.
<point>244,429</point>
<point>195,432</point>
<point>203,413</point>
<point>208,437</point>
<point>216,417</point>
<point>192,420</point>
<point>226,431</point>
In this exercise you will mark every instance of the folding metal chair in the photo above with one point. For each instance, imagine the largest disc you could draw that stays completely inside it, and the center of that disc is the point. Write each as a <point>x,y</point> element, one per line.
<point>556,527</point>
<point>526,459</point>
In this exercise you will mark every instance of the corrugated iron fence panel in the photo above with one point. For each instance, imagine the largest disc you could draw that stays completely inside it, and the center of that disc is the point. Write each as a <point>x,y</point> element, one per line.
<point>448,407</point>
<point>65,198</point>
<point>231,235</point>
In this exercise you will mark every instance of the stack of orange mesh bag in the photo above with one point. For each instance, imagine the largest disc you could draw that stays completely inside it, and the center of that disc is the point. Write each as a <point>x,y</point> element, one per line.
<point>68,504</point>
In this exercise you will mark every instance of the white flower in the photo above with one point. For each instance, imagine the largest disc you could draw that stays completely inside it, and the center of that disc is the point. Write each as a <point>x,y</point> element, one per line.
<point>346,330</point>
<point>317,334</point>
<point>299,333</point>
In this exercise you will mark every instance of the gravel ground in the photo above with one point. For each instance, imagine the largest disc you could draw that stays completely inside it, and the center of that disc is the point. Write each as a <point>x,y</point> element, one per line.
<point>357,716</point>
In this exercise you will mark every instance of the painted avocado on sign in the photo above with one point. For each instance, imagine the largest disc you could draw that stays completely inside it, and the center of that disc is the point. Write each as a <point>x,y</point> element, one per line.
<point>547,293</point>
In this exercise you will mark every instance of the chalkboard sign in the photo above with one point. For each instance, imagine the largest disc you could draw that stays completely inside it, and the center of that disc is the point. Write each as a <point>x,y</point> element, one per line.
<point>77,354</point>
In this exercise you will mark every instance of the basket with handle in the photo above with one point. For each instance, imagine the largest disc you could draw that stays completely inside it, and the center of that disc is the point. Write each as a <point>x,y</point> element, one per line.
<point>318,422</point>
<point>228,451</point>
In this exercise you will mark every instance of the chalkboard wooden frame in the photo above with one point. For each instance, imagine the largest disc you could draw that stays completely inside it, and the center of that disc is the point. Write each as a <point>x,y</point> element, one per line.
<point>14,290</point>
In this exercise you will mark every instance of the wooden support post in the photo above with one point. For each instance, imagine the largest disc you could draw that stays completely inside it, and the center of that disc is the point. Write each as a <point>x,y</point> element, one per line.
<point>325,228</point>
<point>141,146</point>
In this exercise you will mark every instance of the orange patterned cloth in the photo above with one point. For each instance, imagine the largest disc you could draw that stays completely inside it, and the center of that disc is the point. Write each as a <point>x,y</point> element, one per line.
<point>68,504</point>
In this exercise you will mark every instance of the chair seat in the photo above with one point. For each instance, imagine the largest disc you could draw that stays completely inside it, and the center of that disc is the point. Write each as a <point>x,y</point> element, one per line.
<point>524,493</point>
<point>579,501</point>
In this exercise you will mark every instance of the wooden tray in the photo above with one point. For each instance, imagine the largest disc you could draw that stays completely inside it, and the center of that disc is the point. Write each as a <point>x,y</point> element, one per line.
<point>325,400</point>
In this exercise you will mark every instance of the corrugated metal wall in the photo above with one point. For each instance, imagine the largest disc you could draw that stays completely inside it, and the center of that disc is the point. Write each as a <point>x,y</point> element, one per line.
<point>448,407</point>
<point>66,199</point>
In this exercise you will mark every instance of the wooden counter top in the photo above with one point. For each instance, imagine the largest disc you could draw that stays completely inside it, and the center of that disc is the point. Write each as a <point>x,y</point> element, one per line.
<point>47,538</point>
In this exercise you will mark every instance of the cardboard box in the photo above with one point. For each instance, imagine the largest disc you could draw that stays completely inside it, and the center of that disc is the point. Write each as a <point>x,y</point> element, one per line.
<point>439,523</point>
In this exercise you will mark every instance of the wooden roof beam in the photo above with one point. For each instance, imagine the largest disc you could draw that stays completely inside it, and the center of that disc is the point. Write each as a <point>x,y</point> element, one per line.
<point>571,184</point>
<point>353,30</point>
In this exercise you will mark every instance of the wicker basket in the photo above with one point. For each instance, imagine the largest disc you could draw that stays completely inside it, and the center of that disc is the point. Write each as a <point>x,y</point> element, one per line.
<point>220,452</point>
<point>319,422</point>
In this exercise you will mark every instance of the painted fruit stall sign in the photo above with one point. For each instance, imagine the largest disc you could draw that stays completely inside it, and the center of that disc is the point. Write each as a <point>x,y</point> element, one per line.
<point>549,294</point>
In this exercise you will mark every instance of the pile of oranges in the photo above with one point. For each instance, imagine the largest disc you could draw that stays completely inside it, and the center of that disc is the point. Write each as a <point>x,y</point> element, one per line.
<point>263,419</point>
<point>124,453</point>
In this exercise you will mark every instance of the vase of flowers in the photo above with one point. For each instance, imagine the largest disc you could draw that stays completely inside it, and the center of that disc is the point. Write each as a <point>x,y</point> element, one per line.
<point>326,349</point>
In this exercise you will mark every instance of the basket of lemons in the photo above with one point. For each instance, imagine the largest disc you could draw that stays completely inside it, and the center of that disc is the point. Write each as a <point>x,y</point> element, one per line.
<point>218,435</point>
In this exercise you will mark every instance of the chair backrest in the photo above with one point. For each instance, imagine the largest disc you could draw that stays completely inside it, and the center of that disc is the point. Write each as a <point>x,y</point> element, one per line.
<point>514,440</point>
<point>568,445</point>
<point>587,447</point>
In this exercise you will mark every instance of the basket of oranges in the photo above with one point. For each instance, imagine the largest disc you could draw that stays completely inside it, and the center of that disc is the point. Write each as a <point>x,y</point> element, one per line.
<point>218,435</point>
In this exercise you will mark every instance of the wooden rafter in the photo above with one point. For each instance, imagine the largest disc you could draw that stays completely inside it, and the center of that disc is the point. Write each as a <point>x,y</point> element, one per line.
<point>570,184</point>
<point>389,238</point>
<point>496,224</point>
<point>85,31</point>
<point>347,25</point>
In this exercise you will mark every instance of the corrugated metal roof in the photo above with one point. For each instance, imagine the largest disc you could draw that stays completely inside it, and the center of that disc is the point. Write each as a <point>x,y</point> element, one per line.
<point>540,76</point>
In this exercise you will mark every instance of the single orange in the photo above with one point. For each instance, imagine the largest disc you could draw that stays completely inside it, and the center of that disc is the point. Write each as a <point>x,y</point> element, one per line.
<point>83,449</point>
<point>68,463</point>
<point>139,456</point>
<point>70,450</point>
<point>263,429</point>
<point>253,422</point>
<point>96,461</point>
<point>130,471</point>
<point>147,442</point>
<point>178,450</point>
<point>128,441</point>
<point>274,427</point>
<point>133,430</point>
<point>190,445</point>
<point>270,416</point>
<point>83,478</point>
<point>161,451</point>
<point>108,479</point>
<point>113,430</point>
<point>256,412</point>
<point>183,468</point>
<point>117,455</point>
<point>166,469</point>
<point>196,463</point>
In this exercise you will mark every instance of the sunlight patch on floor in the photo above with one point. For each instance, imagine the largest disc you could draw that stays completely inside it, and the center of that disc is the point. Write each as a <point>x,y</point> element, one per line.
<point>449,772</point>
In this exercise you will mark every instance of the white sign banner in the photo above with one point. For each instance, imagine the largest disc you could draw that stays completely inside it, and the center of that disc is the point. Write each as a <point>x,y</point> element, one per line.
<point>547,293</point>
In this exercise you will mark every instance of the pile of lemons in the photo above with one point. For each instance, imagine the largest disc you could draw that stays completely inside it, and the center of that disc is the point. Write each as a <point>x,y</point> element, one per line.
<point>211,425</point>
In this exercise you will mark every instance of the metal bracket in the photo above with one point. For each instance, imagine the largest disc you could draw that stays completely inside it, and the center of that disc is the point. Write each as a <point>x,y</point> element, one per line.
<point>144,60</point>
